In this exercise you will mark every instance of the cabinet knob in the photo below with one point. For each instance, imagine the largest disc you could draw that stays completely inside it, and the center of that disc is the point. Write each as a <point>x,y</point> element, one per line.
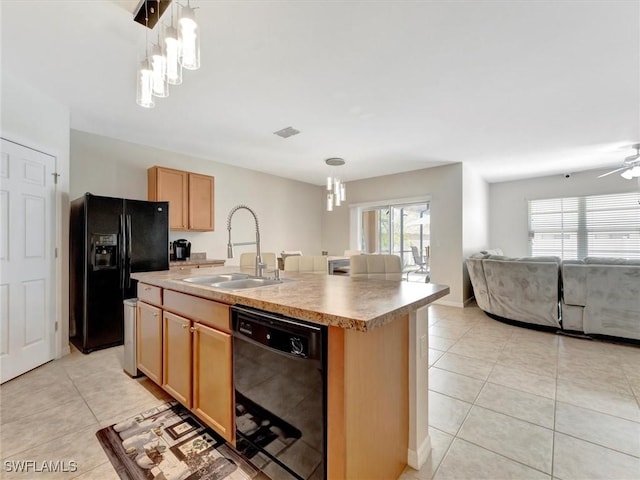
<point>193,329</point>
<point>155,314</point>
<point>186,325</point>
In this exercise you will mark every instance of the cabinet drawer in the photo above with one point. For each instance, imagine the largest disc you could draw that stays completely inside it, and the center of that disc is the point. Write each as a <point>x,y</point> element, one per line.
<point>208,312</point>
<point>150,294</point>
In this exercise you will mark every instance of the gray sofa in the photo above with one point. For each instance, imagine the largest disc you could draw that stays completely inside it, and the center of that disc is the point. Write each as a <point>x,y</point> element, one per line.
<point>597,296</point>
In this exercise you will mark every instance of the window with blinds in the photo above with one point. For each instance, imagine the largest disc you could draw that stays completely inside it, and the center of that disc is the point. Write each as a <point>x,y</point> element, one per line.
<point>577,227</point>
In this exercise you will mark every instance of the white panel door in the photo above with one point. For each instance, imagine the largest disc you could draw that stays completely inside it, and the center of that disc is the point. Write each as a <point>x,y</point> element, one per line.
<point>27,263</point>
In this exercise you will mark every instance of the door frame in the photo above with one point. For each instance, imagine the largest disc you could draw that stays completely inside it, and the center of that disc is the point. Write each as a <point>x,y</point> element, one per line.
<point>60,273</point>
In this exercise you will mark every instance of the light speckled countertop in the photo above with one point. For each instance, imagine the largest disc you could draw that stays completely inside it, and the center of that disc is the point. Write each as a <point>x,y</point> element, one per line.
<point>195,261</point>
<point>337,300</point>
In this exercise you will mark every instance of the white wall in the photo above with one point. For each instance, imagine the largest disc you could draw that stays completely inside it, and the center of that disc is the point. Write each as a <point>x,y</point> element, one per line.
<point>444,186</point>
<point>36,120</point>
<point>508,221</point>
<point>289,211</point>
<point>475,219</point>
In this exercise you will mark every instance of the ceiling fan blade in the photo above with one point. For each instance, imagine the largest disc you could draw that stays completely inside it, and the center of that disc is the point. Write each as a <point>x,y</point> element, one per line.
<point>612,171</point>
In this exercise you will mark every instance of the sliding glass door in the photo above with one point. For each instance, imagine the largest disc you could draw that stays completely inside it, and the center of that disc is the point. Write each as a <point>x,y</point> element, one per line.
<point>401,229</point>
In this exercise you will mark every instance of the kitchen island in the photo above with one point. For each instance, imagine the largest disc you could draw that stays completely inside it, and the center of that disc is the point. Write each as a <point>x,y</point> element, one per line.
<point>377,418</point>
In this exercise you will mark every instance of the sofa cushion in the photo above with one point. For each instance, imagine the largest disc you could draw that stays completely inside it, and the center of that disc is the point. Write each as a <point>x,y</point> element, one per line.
<point>613,300</point>
<point>611,261</point>
<point>524,291</point>
<point>557,260</point>
<point>492,251</point>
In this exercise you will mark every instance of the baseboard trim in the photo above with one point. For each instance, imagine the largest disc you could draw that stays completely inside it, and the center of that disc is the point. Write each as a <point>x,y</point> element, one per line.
<point>448,303</point>
<point>416,459</point>
<point>66,350</point>
<point>469,301</point>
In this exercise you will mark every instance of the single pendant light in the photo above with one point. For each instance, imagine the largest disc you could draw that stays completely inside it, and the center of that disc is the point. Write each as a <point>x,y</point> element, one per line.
<point>144,96</point>
<point>329,202</point>
<point>159,67</point>
<point>144,88</point>
<point>171,53</point>
<point>189,37</point>
<point>171,50</point>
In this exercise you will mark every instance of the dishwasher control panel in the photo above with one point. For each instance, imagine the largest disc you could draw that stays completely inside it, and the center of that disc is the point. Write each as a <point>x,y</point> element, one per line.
<point>282,334</point>
<point>275,338</point>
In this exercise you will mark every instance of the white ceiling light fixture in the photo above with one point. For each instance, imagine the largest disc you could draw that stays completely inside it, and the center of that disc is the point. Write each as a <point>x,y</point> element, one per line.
<point>171,46</point>
<point>144,87</point>
<point>336,190</point>
<point>630,166</point>
<point>176,49</point>
<point>189,38</point>
<point>144,93</point>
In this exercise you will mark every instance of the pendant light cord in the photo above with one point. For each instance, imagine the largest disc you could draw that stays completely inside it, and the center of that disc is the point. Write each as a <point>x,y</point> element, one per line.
<point>146,31</point>
<point>159,26</point>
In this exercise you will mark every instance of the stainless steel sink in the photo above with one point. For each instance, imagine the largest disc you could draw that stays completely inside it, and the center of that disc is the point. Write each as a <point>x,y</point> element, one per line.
<point>248,283</point>
<point>221,277</point>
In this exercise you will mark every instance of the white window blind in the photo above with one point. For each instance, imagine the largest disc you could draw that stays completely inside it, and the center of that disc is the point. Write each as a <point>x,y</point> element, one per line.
<point>577,227</point>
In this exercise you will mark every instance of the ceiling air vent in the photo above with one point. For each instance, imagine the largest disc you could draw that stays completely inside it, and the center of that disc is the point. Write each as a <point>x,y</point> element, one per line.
<point>287,132</point>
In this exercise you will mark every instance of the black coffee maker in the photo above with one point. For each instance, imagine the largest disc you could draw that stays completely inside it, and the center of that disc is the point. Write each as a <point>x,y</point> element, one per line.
<point>182,249</point>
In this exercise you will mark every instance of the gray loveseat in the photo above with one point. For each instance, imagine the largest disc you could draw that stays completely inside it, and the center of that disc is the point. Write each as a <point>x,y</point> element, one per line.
<point>597,296</point>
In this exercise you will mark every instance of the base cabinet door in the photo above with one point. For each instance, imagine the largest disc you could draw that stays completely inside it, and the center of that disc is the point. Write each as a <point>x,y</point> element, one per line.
<point>177,353</point>
<point>212,379</point>
<point>149,341</point>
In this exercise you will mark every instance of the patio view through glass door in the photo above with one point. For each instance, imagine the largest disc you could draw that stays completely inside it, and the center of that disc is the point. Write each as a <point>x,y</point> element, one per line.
<point>403,230</point>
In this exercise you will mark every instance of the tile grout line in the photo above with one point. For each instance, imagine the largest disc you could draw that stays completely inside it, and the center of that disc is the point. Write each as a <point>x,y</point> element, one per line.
<point>555,410</point>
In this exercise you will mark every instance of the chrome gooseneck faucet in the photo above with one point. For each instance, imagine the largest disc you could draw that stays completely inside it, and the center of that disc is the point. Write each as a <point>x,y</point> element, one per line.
<point>260,266</point>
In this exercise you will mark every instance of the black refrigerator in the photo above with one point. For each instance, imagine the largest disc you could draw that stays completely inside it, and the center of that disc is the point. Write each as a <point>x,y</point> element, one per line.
<point>110,238</point>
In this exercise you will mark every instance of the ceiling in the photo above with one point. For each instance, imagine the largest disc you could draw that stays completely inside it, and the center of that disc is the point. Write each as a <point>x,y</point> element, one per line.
<point>516,89</point>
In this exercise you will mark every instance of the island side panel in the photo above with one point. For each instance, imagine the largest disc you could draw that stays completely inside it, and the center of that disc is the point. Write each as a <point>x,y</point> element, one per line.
<point>373,403</point>
<point>336,431</point>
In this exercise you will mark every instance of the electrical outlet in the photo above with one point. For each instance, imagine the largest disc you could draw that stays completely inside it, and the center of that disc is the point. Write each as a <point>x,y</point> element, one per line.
<point>424,351</point>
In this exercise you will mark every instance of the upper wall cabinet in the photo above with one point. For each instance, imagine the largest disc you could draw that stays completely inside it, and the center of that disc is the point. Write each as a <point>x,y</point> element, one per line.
<point>190,197</point>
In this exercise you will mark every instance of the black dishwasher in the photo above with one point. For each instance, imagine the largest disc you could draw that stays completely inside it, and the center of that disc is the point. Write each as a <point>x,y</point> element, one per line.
<point>280,393</point>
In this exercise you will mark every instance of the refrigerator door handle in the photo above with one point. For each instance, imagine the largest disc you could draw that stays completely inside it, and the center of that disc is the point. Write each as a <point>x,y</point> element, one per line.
<point>121,256</point>
<point>128,258</point>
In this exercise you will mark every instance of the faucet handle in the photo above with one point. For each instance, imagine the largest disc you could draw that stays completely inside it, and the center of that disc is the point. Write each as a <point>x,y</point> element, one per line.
<point>260,268</point>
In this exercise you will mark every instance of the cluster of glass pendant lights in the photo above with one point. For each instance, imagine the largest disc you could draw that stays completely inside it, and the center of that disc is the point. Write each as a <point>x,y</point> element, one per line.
<point>336,190</point>
<point>176,48</point>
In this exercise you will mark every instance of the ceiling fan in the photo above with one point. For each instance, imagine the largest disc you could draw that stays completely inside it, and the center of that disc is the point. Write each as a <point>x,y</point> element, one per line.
<point>630,165</point>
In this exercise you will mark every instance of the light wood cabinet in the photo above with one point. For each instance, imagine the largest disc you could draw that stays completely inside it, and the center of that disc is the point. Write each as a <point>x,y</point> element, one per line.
<point>190,197</point>
<point>149,341</point>
<point>212,378</point>
<point>186,347</point>
<point>177,357</point>
<point>201,211</point>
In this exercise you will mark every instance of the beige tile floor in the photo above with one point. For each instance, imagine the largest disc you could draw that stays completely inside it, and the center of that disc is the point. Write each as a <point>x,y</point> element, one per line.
<point>504,403</point>
<point>52,413</point>
<point>513,403</point>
